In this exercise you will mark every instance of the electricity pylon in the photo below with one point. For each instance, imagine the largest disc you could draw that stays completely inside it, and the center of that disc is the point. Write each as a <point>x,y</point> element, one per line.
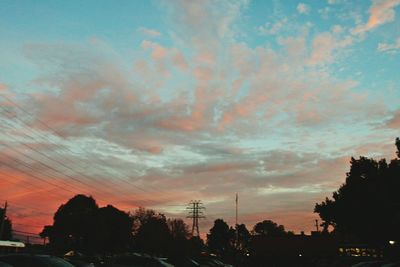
<point>195,208</point>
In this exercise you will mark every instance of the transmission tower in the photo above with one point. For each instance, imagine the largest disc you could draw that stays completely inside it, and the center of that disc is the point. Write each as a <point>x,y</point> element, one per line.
<point>195,208</point>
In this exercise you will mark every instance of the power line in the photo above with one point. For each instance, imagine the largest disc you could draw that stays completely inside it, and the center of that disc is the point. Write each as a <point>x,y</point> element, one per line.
<point>50,128</point>
<point>56,170</point>
<point>24,232</point>
<point>48,166</point>
<point>58,134</point>
<point>25,207</point>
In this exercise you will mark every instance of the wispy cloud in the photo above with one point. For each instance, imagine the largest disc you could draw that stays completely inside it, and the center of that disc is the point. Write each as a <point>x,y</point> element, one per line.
<point>149,32</point>
<point>385,47</point>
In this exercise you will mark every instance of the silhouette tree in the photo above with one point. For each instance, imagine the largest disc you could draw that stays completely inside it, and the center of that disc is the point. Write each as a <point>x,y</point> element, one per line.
<point>195,246</point>
<point>179,229</point>
<point>153,236</point>
<point>73,226</point>
<point>7,227</point>
<point>243,237</point>
<point>221,238</point>
<point>180,245</point>
<point>81,225</point>
<point>398,147</point>
<point>46,232</point>
<point>269,228</point>
<point>366,207</point>
<point>141,216</point>
<point>113,230</point>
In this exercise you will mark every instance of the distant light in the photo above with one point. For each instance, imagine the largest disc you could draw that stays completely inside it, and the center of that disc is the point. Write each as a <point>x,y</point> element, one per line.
<point>300,255</point>
<point>248,254</point>
<point>392,242</point>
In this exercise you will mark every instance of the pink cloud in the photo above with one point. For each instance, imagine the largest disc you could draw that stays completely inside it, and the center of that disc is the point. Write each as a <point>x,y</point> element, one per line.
<point>186,124</point>
<point>381,12</point>
<point>159,52</point>
<point>324,45</point>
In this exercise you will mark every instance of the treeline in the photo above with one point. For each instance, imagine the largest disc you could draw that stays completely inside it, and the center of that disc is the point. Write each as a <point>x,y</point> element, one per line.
<point>81,225</point>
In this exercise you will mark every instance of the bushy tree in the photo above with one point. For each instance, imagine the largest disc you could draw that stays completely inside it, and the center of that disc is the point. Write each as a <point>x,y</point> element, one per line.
<point>366,207</point>
<point>81,225</point>
<point>269,228</point>
<point>141,216</point>
<point>73,226</point>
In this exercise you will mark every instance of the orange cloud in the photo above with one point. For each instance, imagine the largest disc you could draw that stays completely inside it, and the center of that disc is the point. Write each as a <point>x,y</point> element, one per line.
<point>381,12</point>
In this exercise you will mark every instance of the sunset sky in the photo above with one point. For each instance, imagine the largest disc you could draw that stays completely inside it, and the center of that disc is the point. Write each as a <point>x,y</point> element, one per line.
<point>156,103</point>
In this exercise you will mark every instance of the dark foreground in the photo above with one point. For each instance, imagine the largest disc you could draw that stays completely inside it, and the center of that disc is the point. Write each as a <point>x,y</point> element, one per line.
<point>141,260</point>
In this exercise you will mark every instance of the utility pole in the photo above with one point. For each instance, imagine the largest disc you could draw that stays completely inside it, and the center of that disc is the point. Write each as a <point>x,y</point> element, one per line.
<point>195,208</point>
<point>237,225</point>
<point>3,218</point>
<point>316,225</point>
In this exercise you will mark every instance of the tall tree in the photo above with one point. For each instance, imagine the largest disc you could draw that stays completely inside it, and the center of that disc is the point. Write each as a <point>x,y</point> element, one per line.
<point>366,207</point>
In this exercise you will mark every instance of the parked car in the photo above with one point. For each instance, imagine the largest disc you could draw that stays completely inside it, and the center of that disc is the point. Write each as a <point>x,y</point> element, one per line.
<point>28,260</point>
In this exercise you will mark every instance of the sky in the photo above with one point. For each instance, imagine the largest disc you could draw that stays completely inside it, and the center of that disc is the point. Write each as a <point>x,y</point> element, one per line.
<point>157,103</point>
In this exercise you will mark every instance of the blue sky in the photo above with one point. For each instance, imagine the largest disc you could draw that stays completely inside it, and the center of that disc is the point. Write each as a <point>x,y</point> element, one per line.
<point>200,99</point>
